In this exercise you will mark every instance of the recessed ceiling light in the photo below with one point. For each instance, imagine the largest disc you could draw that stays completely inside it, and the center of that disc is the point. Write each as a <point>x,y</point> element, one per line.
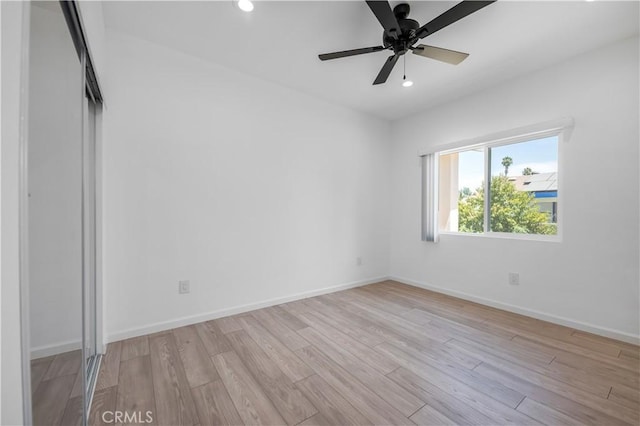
<point>245,5</point>
<point>407,83</point>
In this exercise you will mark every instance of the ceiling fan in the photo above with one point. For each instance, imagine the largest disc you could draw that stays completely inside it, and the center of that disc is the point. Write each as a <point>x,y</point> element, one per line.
<point>401,33</point>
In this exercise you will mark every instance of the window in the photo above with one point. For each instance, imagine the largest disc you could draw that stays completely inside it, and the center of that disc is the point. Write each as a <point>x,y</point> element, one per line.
<point>520,174</point>
<point>523,189</point>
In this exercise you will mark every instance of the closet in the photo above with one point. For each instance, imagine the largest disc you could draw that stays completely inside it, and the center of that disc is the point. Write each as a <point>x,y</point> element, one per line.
<point>60,291</point>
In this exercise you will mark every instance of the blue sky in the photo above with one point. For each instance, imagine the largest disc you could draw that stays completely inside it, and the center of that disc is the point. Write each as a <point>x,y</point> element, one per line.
<point>541,155</point>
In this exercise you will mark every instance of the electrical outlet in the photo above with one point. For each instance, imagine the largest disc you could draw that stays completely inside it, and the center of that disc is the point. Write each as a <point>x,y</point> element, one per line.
<point>358,261</point>
<point>184,287</point>
<point>514,278</point>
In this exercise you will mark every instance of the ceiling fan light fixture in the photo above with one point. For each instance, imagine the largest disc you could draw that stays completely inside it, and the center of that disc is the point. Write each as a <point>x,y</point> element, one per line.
<point>405,82</point>
<point>245,5</point>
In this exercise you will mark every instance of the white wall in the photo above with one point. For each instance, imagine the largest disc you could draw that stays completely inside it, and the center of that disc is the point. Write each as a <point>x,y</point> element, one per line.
<point>251,191</point>
<point>590,279</point>
<point>11,365</point>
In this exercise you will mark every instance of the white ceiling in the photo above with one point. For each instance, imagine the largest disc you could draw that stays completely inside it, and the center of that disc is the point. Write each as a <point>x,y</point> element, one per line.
<point>280,41</point>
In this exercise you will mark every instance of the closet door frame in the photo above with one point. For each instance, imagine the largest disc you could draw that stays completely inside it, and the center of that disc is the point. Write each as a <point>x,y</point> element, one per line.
<point>23,217</point>
<point>90,86</point>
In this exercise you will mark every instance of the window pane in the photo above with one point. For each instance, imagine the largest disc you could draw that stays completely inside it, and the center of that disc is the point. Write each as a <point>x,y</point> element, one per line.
<point>524,187</point>
<point>460,195</point>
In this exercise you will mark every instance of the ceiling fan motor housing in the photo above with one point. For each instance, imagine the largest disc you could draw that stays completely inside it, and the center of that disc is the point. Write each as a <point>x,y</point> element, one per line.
<point>408,29</point>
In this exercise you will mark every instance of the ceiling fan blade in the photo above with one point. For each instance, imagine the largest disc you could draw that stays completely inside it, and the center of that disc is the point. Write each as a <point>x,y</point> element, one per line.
<point>439,54</point>
<point>345,53</point>
<point>385,16</point>
<point>386,69</point>
<point>457,12</point>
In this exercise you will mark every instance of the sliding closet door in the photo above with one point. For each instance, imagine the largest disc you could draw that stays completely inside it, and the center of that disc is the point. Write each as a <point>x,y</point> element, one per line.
<point>89,233</point>
<point>55,214</point>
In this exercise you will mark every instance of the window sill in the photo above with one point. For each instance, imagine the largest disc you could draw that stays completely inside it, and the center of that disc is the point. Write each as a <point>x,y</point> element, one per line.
<point>506,236</point>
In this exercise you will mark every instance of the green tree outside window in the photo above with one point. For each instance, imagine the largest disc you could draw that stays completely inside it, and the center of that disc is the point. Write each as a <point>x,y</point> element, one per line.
<point>511,211</point>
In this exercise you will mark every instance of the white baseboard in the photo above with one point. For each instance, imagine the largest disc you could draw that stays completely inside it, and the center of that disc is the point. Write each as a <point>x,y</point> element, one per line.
<point>194,319</point>
<point>578,325</point>
<point>58,348</point>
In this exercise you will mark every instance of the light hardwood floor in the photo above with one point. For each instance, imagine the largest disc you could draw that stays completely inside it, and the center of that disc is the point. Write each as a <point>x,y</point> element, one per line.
<point>386,353</point>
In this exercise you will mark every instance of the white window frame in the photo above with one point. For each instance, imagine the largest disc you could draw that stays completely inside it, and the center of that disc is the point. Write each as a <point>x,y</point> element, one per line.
<point>561,128</point>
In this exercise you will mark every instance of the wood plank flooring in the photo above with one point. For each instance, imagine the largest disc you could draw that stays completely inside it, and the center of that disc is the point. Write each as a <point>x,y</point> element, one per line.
<point>56,389</point>
<point>386,353</point>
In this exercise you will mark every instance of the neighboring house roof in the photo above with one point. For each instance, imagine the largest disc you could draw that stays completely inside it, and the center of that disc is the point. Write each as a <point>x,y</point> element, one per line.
<point>536,183</point>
